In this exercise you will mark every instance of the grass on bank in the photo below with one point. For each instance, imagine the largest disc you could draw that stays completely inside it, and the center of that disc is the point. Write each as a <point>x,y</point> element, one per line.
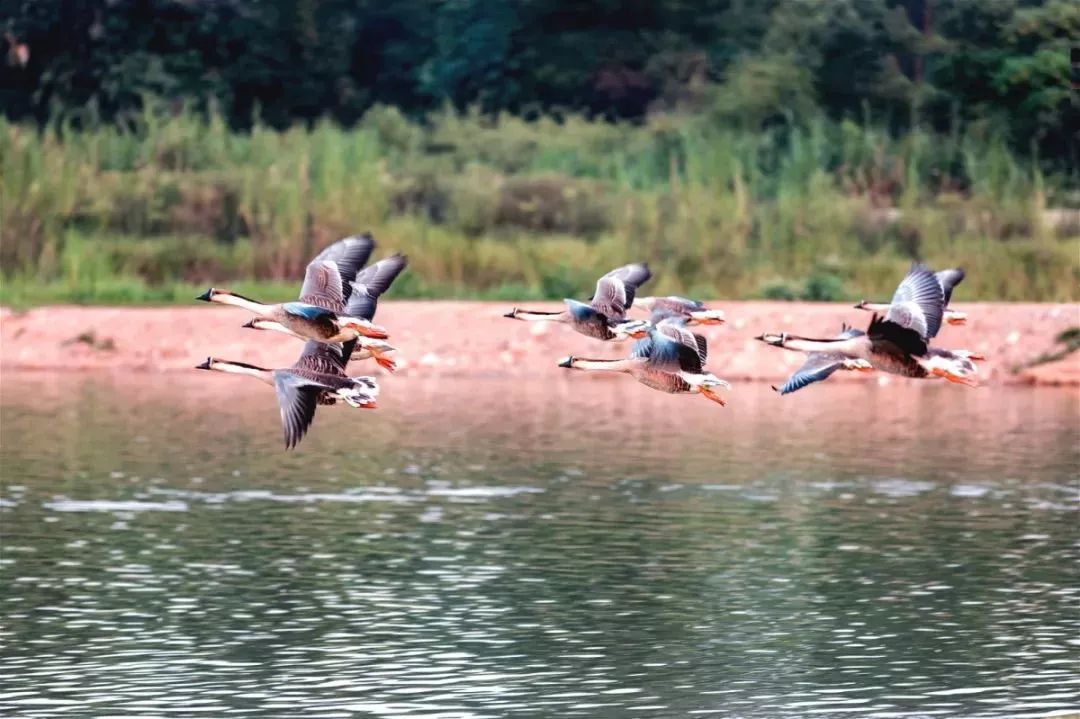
<point>506,209</point>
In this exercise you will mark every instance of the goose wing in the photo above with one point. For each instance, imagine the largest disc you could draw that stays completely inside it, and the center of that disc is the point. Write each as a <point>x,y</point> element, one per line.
<point>322,358</point>
<point>894,339</point>
<point>370,283</point>
<point>673,308</point>
<point>948,279</point>
<point>817,367</point>
<point>676,305</point>
<point>659,314</point>
<point>615,291</point>
<point>642,348</point>
<point>675,328</point>
<point>672,355</point>
<point>297,397</point>
<point>328,276</point>
<point>322,286</point>
<point>919,302</point>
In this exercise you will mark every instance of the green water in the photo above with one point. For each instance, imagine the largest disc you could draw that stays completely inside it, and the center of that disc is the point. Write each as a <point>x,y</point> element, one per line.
<point>489,549</point>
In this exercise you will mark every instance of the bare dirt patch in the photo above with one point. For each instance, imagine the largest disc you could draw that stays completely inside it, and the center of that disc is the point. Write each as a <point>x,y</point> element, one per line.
<point>457,338</point>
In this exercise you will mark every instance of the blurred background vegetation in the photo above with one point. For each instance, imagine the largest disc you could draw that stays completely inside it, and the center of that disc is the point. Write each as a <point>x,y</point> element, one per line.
<point>790,150</point>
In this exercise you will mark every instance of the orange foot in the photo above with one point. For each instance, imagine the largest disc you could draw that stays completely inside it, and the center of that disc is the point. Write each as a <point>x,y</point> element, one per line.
<point>859,365</point>
<point>956,378</point>
<point>956,320</point>
<point>715,398</point>
<point>385,362</point>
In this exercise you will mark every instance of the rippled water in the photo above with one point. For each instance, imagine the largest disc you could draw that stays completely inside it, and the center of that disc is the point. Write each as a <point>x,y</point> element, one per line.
<point>489,549</point>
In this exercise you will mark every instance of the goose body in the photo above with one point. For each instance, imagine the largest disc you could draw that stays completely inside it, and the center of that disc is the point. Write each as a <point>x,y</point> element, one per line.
<point>320,312</point>
<point>317,377</point>
<point>614,295</point>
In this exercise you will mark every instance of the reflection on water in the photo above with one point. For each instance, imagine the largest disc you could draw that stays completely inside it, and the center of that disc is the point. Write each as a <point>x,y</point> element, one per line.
<point>488,549</point>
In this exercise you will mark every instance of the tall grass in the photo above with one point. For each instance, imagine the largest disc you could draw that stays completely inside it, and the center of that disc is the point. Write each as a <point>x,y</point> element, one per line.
<point>498,206</point>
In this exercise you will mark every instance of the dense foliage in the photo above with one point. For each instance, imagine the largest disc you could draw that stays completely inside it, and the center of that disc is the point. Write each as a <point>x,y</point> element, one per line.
<point>1002,64</point>
<point>503,207</point>
<point>789,149</point>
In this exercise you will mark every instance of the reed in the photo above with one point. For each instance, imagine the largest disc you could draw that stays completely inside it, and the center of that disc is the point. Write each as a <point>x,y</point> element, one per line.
<point>499,206</point>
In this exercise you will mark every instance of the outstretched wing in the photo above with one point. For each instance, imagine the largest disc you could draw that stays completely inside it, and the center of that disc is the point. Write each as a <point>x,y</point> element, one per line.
<point>817,367</point>
<point>345,257</point>
<point>322,286</point>
<point>642,348</point>
<point>677,305</point>
<point>675,328</point>
<point>322,357</point>
<point>370,283</point>
<point>948,279</point>
<point>297,398</point>
<point>895,339</point>
<point>918,303</point>
<point>672,355</point>
<point>615,291</point>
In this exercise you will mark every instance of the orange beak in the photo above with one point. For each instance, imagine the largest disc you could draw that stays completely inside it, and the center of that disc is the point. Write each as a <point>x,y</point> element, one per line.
<point>367,329</point>
<point>709,394</point>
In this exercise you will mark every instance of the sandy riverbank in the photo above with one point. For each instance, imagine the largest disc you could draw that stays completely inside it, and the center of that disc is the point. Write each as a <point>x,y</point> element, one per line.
<point>456,338</point>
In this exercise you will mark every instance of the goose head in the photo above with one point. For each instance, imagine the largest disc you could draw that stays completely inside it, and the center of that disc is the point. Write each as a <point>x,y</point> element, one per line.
<point>709,385</point>
<point>776,339</point>
<point>219,365</point>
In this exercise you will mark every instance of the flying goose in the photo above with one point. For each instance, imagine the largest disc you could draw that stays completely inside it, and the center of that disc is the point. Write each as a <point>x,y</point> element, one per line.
<point>896,343</point>
<point>317,377</point>
<point>319,314</point>
<point>365,289</point>
<point>665,359</point>
<point>613,297</point>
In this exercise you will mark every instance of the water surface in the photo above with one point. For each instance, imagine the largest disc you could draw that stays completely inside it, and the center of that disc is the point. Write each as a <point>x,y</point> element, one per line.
<point>488,549</point>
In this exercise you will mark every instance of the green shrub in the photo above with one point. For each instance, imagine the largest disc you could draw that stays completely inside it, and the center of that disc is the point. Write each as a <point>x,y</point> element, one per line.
<point>497,204</point>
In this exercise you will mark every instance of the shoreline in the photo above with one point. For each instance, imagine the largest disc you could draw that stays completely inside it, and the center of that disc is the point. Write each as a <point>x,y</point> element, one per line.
<point>452,338</point>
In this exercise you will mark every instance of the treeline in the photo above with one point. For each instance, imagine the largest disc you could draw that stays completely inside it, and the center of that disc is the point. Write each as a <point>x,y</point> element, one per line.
<point>785,149</point>
<point>995,68</point>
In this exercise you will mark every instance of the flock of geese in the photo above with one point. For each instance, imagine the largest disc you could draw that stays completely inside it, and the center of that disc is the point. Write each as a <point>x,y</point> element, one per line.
<point>333,316</point>
<point>336,308</point>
